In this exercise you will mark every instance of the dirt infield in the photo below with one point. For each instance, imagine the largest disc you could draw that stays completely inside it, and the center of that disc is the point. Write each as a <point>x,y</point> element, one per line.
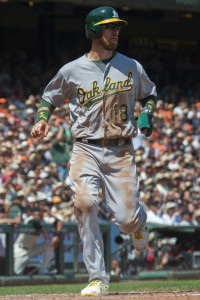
<point>190,295</point>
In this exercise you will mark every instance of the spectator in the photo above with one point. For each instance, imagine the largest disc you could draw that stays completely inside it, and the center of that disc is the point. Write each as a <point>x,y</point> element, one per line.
<point>61,147</point>
<point>179,210</point>
<point>186,219</point>
<point>169,213</point>
<point>164,258</point>
<point>16,209</point>
<point>196,218</point>
<point>56,201</point>
<point>149,257</point>
<point>153,214</point>
<point>115,268</point>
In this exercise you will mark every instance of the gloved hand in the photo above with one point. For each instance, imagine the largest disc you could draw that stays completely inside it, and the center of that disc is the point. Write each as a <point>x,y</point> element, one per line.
<point>145,120</point>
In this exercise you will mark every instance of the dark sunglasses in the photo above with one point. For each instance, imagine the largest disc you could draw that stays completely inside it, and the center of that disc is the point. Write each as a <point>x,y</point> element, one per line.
<point>112,26</point>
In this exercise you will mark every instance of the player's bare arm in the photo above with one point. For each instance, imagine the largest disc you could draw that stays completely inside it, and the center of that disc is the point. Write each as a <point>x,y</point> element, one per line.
<point>41,127</point>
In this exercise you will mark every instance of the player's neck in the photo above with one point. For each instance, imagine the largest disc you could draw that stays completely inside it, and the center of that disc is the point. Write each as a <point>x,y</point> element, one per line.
<point>99,54</point>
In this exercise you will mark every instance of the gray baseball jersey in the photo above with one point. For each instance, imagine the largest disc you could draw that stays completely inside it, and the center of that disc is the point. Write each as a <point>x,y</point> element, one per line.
<point>101,104</point>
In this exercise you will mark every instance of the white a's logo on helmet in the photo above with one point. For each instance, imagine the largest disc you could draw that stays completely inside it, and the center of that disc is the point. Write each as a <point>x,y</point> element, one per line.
<point>115,14</point>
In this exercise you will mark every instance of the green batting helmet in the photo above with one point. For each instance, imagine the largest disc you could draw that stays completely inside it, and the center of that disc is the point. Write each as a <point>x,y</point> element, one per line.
<point>100,16</point>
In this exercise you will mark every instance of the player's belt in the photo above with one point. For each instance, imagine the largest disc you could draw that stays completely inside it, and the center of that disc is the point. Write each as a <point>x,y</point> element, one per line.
<point>106,142</point>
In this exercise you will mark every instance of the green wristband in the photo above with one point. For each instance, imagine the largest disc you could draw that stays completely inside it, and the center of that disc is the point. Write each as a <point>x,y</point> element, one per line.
<point>149,104</point>
<point>43,115</point>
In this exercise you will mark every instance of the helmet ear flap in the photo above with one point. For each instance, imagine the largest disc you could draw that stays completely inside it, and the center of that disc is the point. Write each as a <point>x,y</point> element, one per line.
<point>93,32</point>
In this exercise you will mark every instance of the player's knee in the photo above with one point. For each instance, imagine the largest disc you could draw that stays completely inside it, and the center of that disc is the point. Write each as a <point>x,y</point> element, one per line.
<point>135,223</point>
<point>83,205</point>
<point>129,227</point>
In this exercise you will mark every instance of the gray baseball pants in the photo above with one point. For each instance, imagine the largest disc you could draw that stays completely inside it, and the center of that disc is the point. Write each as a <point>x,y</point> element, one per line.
<point>113,169</point>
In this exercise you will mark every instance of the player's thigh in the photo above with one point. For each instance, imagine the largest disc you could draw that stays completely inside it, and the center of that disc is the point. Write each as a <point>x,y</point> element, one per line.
<point>121,184</point>
<point>85,175</point>
<point>40,248</point>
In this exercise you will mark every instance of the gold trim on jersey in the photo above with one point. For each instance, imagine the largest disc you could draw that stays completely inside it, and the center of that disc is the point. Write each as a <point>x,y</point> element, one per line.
<point>89,98</point>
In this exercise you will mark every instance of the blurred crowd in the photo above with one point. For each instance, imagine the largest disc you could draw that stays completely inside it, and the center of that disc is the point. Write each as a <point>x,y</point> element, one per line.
<point>34,173</point>
<point>169,166</point>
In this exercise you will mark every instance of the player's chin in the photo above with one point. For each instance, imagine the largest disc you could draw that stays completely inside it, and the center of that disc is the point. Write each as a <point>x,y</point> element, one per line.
<point>113,45</point>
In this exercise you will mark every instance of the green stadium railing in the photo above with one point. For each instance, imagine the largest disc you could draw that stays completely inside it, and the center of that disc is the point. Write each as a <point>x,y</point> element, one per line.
<point>160,231</point>
<point>68,227</point>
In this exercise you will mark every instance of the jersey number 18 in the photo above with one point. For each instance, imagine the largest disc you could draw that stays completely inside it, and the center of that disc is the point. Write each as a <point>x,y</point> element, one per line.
<point>120,113</point>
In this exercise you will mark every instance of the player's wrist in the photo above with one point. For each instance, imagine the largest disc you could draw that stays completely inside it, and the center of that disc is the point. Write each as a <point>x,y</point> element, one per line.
<point>149,105</point>
<point>43,115</point>
<point>147,110</point>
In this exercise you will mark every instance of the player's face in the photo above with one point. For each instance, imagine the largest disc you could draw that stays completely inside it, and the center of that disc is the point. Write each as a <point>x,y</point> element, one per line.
<point>109,39</point>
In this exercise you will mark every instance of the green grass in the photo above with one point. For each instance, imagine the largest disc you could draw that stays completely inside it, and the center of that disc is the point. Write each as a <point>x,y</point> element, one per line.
<point>135,286</point>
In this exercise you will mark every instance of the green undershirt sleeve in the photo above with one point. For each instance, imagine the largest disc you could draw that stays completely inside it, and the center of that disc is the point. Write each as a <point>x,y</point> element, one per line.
<point>44,103</point>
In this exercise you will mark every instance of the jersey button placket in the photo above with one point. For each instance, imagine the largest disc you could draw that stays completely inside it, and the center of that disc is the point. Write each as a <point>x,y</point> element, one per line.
<point>103,109</point>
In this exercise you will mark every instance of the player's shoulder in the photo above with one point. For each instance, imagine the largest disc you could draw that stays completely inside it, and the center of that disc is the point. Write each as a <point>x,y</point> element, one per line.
<point>126,59</point>
<point>72,64</point>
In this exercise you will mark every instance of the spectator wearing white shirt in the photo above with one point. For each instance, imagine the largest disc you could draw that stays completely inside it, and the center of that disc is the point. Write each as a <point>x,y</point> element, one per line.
<point>169,213</point>
<point>153,214</point>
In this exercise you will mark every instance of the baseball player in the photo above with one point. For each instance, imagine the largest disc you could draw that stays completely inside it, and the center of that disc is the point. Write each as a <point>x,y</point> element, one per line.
<point>26,247</point>
<point>102,87</point>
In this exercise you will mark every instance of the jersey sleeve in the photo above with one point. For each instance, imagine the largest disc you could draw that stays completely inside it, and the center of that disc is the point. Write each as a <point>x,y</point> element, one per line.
<point>57,90</point>
<point>145,87</point>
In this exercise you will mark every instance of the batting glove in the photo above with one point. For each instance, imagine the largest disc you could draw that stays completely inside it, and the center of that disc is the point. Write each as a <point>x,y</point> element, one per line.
<point>145,120</point>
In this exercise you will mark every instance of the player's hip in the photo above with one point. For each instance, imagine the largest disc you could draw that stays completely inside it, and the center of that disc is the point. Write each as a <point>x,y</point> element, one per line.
<point>86,155</point>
